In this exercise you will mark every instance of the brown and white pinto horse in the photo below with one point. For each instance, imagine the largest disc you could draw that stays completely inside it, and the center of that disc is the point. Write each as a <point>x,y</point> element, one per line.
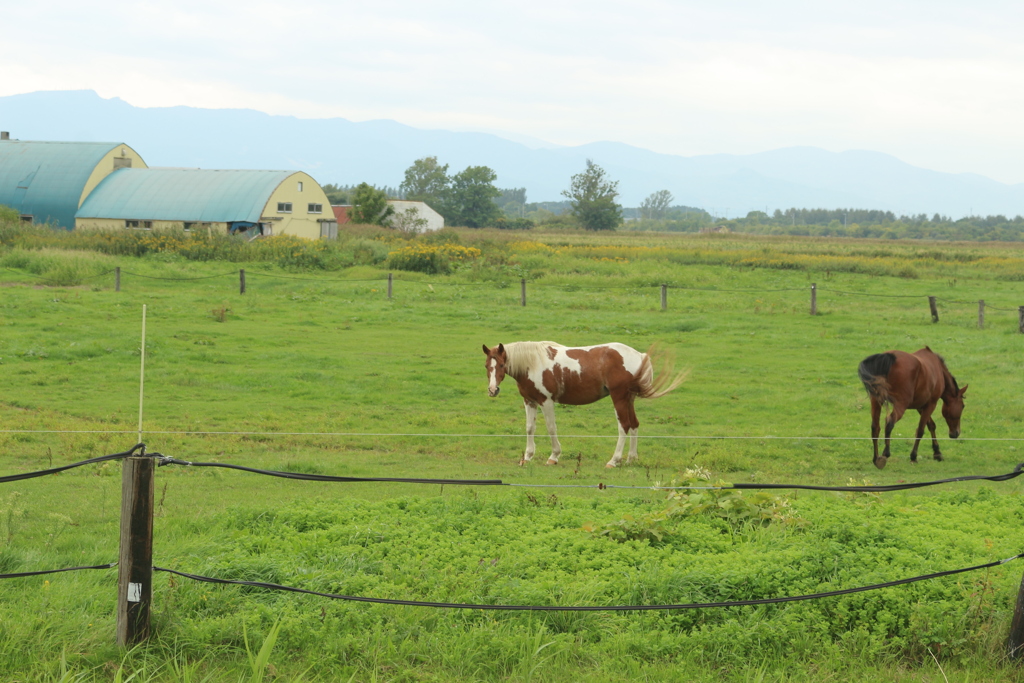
<point>548,373</point>
<point>911,380</point>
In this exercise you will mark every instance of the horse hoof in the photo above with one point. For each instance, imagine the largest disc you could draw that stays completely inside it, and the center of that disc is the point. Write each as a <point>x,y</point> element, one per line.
<point>938,456</point>
<point>522,463</point>
<point>609,466</point>
<point>551,462</point>
<point>881,462</point>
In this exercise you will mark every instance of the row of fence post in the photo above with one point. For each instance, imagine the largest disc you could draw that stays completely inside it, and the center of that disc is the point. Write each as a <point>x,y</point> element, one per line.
<point>933,305</point>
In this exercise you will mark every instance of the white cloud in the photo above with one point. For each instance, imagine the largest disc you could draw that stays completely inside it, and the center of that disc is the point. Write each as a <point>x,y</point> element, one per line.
<point>938,84</point>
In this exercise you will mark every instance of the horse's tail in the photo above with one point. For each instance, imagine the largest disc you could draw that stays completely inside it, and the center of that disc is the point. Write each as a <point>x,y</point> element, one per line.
<point>651,386</point>
<point>874,371</point>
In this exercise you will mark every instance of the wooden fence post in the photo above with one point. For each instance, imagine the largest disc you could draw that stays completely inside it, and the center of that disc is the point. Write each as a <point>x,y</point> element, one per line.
<point>117,279</point>
<point>1020,319</point>
<point>814,298</point>
<point>981,314</point>
<point>664,297</point>
<point>241,281</point>
<point>389,285</point>
<point>935,309</point>
<point>522,296</point>
<point>135,560</point>
<point>1015,642</point>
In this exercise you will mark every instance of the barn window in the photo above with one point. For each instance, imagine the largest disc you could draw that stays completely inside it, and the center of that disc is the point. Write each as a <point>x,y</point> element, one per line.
<point>122,162</point>
<point>284,207</point>
<point>26,218</point>
<point>315,208</point>
<point>300,186</point>
<point>131,224</point>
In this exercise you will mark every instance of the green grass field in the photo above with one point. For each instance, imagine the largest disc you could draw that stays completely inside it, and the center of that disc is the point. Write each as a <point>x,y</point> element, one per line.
<point>317,371</point>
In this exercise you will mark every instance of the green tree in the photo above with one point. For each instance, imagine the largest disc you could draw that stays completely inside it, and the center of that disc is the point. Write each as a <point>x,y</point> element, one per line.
<point>427,181</point>
<point>592,197</point>
<point>655,206</point>
<point>471,198</point>
<point>370,205</point>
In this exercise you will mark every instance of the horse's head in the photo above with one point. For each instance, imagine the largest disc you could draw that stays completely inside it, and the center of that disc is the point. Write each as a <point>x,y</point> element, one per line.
<point>495,364</point>
<point>952,409</point>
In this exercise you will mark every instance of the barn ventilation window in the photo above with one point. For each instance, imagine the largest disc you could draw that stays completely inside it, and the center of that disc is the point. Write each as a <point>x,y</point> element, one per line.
<point>139,225</point>
<point>284,207</point>
<point>300,186</point>
<point>315,208</point>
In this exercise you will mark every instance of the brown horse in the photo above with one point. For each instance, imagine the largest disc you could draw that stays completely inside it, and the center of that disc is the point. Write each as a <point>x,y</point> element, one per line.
<point>548,373</point>
<point>911,380</point>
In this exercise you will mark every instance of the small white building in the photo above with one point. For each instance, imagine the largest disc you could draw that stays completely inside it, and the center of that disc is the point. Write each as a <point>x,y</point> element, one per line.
<point>410,216</point>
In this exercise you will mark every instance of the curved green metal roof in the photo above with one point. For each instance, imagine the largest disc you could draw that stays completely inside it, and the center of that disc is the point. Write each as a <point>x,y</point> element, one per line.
<point>182,194</point>
<point>46,179</point>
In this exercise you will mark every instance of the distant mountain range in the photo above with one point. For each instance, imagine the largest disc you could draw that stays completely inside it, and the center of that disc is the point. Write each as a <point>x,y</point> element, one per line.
<point>378,152</point>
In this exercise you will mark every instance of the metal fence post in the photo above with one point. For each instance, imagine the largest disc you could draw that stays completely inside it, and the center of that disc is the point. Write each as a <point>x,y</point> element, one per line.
<point>389,285</point>
<point>135,560</point>
<point>241,281</point>
<point>981,314</point>
<point>664,297</point>
<point>935,309</point>
<point>522,295</point>
<point>1020,319</point>
<point>117,279</point>
<point>814,298</point>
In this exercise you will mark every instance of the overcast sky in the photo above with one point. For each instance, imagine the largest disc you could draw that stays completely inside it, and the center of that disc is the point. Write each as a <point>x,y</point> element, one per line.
<point>936,83</point>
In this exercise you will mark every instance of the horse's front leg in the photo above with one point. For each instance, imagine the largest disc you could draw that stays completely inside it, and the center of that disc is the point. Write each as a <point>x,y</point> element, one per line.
<point>926,417</point>
<point>531,427</point>
<point>936,453</point>
<point>549,421</point>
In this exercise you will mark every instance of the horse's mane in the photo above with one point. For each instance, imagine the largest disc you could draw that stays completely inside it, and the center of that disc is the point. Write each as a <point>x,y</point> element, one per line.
<point>956,387</point>
<point>524,356</point>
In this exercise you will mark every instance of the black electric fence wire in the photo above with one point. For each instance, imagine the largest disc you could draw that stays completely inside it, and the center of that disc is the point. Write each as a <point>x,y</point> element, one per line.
<point>19,575</point>
<point>588,608</point>
<point>138,449</point>
<point>166,460</point>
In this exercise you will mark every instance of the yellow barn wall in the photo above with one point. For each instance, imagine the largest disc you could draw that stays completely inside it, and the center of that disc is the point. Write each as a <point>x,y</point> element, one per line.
<point>106,167</point>
<point>119,224</point>
<point>299,222</point>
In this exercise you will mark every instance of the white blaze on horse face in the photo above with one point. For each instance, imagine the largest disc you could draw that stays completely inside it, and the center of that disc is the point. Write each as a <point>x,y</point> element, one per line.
<point>492,378</point>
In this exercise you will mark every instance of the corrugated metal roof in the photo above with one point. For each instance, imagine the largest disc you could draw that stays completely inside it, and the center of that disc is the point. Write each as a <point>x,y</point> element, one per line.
<point>182,194</point>
<point>46,179</point>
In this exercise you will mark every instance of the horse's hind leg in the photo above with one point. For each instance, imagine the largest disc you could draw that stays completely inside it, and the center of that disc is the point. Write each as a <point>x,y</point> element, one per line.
<point>549,421</point>
<point>634,426</point>
<point>936,453</point>
<point>890,422</point>
<point>622,418</point>
<point>876,413</point>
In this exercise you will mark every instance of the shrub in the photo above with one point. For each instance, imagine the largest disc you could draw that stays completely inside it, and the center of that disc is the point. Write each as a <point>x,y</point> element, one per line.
<point>431,258</point>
